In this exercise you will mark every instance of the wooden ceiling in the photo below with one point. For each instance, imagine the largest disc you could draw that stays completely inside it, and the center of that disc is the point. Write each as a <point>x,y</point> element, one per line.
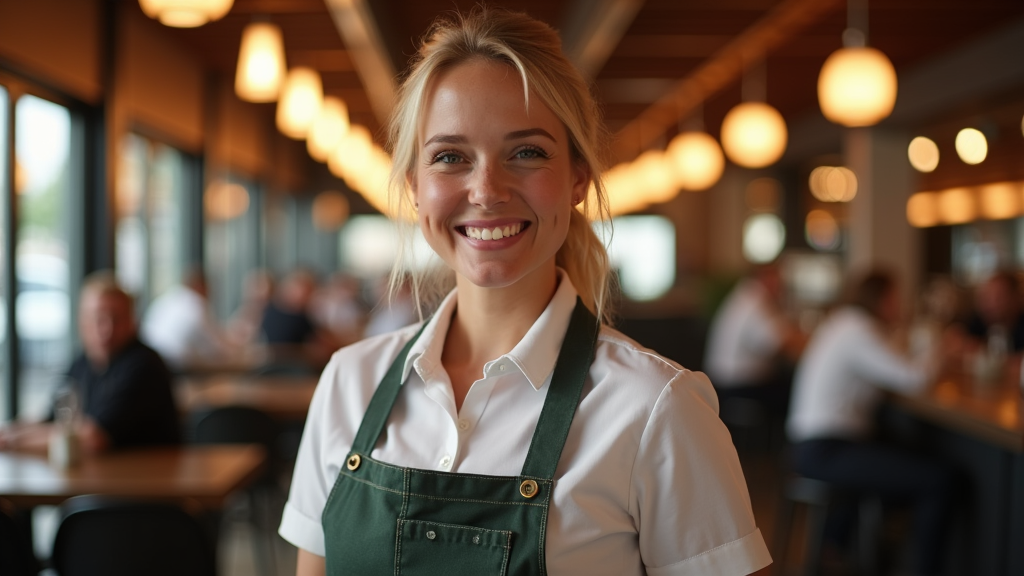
<point>665,41</point>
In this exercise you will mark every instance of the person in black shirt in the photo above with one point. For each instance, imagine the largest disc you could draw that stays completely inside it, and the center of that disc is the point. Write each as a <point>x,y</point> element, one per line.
<point>997,315</point>
<point>123,386</point>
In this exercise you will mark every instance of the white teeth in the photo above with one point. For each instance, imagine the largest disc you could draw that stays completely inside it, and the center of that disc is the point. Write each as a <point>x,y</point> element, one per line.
<point>496,233</point>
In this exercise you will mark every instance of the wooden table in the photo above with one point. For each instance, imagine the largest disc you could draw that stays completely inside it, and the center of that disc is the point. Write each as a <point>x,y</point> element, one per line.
<point>192,475</point>
<point>991,413</point>
<point>282,397</point>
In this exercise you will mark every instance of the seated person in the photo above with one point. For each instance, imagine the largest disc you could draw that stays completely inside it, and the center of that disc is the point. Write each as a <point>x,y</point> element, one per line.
<point>751,345</point>
<point>997,320</point>
<point>286,316</point>
<point>180,326</point>
<point>123,386</point>
<point>838,386</point>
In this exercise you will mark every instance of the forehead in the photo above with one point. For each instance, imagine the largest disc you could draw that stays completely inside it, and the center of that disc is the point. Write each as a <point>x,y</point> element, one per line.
<point>104,300</point>
<point>480,94</point>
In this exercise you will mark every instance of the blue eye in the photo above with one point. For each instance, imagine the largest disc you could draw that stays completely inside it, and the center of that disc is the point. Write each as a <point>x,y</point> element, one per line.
<point>530,153</point>
<point>447,158</point>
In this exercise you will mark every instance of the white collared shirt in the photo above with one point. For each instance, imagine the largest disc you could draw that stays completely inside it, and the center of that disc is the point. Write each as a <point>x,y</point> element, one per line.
<point>838,381</point>
<point>648,481</point>
<point>744,337</point>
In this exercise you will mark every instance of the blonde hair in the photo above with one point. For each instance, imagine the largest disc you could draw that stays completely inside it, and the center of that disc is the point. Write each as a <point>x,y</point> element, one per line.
<point>534,50</point>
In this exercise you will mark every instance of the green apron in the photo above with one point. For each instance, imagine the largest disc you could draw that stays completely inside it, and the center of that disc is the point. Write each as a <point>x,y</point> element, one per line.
<point>383,519</point>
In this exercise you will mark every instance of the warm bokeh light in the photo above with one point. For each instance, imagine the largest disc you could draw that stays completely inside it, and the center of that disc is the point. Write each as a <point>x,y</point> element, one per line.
<point>655,178</point>
<point>225,201</point>
<point>328,129</point>
<point>754,135</point>
<point>186,13</point>
<point>330,210</point>
<point>923,154</point>
<point>764,236</point>
<point>956,206</point>
<point>623,197</point>
<point>1000,200</point>
<point>923,210</point>
<point>971,146</point>
<point>351,153</point>
<point>762,194</point>
<point>260,63</point>
<point>21,177</point>
<point>857,86</point>
<point>821,230</point>
<point>697,160</point>
<point>833,183</point>
<point>301,97</point>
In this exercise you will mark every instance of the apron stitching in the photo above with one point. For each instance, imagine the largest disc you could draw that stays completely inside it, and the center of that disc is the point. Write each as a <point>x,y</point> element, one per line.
<point>477,501</point>
<point>398,548</point>
<point>368,483</point>
<point>508,551</point>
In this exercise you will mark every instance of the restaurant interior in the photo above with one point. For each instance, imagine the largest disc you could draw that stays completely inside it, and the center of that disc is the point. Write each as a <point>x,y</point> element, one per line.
<point>241,144</point>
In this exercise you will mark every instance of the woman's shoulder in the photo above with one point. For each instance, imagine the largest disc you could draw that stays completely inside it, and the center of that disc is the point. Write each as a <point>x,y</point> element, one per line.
<point>620,360</point>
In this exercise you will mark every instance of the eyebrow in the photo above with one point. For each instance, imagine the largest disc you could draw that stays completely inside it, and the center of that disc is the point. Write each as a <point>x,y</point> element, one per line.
<point>517,135</point>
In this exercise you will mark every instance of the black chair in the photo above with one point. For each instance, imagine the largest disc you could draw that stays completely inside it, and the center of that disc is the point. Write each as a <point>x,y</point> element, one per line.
<point>817,496</point>
<point>247,425</point>
<point>16,556</point>
<point>118,537</point>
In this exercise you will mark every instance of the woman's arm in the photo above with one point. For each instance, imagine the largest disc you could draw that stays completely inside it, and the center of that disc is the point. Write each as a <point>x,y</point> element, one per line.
<point>310,564</point>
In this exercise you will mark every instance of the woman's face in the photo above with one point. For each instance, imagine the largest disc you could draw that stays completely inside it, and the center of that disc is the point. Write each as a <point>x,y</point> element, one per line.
<point>493,180</point>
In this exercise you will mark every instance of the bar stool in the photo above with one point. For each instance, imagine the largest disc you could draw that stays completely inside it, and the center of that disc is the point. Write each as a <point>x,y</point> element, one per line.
<point>817,496</point>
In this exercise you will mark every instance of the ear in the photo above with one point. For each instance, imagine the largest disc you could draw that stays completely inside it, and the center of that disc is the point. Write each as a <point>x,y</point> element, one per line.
<point>581,176</point>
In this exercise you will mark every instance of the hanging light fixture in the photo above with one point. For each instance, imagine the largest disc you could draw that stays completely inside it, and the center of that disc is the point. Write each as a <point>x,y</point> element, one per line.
<point>328,129</point>
<point>754,135</point>
<point>260,63</point>
<point>185,13</point>
<point>923,154</point>
<point>301,97</point>
<point>351,153</point>
<point>971,146</point>
<point>857,83</point>
<point>697,160</point>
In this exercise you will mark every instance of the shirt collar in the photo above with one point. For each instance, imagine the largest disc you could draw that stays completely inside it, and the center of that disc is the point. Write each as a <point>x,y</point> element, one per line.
<point>534,355</point>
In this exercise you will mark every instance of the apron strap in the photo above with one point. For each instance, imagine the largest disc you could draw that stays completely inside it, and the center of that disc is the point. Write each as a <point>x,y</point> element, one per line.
<point>567,381</point>
<point>377,412</point>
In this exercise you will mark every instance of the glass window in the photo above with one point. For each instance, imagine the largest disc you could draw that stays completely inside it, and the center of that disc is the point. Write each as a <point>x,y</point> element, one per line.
<point>4,384</point>
<point>231,238</point>
<point>43,252</point>
<point>643,251</point>
<point>151,218</point>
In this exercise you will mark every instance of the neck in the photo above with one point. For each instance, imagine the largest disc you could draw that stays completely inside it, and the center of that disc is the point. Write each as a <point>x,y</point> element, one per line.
<point>489,322</point>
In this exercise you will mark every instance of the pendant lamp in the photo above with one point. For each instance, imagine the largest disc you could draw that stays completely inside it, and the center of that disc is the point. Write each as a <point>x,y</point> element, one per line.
<point>857,83</point>
<point>697,160</point>
<point>260,63</point>
<point>185,13</point>
<point>301,98</point>
<point>754,135</point>
<point>328,129</point>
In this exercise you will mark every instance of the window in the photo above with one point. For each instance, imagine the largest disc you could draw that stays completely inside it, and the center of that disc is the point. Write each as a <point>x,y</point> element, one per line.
<point>231,240</point>
<point>43,253</point>
<point>154,202</point>
<point>643,251</point>
<point>5,411</point>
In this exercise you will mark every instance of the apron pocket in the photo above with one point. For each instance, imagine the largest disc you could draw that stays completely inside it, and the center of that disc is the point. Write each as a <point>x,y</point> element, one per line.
<point>435,549</point>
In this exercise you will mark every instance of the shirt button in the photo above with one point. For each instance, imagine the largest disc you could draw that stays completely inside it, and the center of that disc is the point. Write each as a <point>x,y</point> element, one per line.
<point>501,367</point>
<point>463,425</point>
<point>446,462</point>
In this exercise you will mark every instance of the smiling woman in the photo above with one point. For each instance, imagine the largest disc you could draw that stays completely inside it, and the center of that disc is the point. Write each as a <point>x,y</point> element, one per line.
<point>513,432</point>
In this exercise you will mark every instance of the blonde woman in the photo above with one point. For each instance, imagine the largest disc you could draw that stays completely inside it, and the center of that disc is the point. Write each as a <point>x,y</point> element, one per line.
<point>512,432</point>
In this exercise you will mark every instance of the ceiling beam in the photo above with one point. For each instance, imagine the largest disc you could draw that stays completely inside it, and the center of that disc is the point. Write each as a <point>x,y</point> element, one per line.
<point>748,49</point>
<point>593,28</point>
<point>362,37</point>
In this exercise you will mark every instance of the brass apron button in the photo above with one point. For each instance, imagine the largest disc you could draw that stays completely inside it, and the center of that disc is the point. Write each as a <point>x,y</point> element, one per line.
<point>528,488</point>
<point>353,462</point>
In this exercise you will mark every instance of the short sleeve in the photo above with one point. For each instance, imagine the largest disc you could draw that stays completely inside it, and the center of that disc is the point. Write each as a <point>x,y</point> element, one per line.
<point>312,480</point>
<point>687,490</point>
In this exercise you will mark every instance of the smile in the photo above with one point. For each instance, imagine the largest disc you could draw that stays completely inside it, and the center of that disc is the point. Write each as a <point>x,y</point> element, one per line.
<point>495,233</point>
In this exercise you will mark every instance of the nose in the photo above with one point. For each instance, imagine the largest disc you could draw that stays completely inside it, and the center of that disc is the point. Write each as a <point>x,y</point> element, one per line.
<point>489,186</point>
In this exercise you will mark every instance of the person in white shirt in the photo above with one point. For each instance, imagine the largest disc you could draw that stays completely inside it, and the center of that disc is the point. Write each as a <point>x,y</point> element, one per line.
<point>838,385</point>
<point>180,326</point>
<point>751,345</point>
<point>512,432</point>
